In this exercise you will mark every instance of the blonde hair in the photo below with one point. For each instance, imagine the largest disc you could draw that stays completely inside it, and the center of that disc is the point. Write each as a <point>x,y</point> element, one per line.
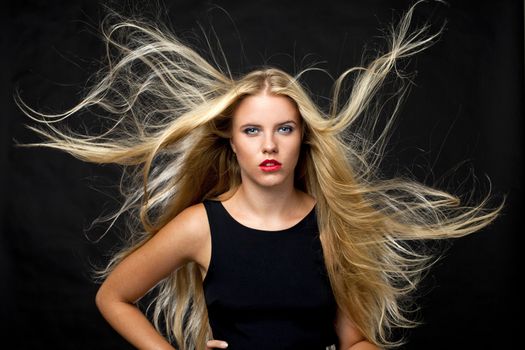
<point>171,106</point>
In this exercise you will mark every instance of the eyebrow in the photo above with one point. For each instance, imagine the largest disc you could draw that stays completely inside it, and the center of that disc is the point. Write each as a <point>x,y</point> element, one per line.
<point>253,124</point>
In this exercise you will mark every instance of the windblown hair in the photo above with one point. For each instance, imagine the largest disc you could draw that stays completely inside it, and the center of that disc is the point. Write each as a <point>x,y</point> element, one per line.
<point>172,115</point>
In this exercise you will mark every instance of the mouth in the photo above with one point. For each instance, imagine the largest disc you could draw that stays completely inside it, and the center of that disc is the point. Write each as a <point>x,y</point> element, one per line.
<point>270,165</point>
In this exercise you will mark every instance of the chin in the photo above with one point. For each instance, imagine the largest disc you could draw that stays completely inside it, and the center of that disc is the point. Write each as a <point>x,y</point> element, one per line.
<point>274,181</point>
<point>265,180</point>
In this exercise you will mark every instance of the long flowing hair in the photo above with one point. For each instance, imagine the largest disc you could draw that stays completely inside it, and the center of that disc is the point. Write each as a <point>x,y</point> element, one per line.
<point>172,112</point>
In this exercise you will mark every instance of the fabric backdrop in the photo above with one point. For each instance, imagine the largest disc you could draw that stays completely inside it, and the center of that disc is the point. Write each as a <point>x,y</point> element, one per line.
<point>462,121</point>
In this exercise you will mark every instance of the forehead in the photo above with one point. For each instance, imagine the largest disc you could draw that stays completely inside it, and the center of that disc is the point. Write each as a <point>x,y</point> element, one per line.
<point>264,109</point>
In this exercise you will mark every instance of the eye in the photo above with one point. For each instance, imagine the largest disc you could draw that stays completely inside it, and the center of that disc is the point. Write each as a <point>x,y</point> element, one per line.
<point>250,131</point>
<point>287,129</point>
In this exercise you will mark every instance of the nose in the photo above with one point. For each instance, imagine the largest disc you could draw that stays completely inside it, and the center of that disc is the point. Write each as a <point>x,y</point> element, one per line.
<point>269,145</point>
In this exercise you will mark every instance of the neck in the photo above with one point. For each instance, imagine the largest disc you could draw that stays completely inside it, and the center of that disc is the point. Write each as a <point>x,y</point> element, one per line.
<point>267,201</point>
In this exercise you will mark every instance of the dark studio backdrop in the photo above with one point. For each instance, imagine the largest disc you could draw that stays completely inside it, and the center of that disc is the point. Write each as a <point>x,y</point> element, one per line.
<point>462,119</point>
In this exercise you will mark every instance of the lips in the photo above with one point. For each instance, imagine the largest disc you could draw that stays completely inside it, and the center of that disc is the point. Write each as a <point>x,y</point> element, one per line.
<point>269,162</point>
<point>270,165</point>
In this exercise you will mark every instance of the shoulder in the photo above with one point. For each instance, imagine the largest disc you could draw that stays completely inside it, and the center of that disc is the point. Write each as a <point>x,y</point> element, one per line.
<point>194,216</point>
<point>192,221</point>
<point>190,229</point>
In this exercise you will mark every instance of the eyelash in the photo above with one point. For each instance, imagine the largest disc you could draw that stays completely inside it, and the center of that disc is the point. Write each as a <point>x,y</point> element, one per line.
<point>247,130</point>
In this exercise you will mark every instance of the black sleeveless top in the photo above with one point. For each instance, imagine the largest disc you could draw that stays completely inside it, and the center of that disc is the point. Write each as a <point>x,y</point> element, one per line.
<point>268,289</point>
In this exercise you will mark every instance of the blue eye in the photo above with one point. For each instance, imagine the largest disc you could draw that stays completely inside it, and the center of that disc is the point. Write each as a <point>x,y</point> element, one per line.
<point>288,129</point>
<point>249,131</point>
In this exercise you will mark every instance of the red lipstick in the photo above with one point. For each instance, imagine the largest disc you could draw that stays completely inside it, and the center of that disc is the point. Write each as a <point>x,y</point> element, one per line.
<point>269,165</point>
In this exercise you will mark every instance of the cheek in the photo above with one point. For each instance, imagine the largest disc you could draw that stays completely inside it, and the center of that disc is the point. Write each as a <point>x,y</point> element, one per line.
<point>244,150</point>
<point>295,146</point>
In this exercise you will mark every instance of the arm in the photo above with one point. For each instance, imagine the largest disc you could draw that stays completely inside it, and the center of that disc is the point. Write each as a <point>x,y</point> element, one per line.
<point>350,338</point>
<point>173,246</point>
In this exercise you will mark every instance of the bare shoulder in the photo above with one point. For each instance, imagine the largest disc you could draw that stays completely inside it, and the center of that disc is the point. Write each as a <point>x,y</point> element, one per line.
<point>191,227</point>
<point>193,217</point>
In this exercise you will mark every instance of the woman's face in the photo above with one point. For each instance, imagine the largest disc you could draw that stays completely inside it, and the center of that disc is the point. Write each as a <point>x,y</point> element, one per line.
<point>266,128</point>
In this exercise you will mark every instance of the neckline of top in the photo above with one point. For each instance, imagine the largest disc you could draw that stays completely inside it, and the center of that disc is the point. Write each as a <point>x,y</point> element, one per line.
<point>294,227</point>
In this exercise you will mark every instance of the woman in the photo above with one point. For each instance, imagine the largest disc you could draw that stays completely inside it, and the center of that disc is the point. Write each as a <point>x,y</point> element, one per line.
<point>231,174</point>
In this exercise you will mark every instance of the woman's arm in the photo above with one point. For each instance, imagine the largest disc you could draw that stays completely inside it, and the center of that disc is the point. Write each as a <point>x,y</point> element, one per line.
<point>173,246</point>
<point>350,338</point>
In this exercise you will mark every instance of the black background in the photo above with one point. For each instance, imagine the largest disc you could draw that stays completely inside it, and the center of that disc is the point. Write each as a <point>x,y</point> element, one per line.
<point>466,104</point>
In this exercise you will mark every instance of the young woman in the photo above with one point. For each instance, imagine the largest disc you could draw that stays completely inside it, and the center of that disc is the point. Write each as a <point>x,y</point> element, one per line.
<point>256,219</point>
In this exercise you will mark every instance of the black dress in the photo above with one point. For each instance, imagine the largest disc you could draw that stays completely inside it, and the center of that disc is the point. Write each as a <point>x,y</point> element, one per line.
<point>268,289</point>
